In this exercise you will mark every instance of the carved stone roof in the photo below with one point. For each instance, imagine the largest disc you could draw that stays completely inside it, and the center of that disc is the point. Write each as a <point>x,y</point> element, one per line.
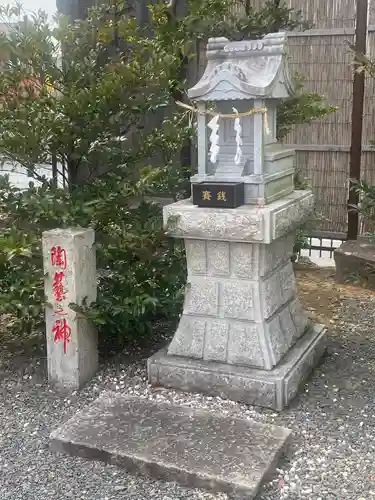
<point>249,69</point>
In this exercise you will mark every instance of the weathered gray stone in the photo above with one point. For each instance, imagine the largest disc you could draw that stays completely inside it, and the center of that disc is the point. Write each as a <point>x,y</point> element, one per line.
<point>244,260</point>
<point>246,316</point>
<point>288,326</point>
<point>275,254</point>
<point>218,258</point>
<point>196,256</point>
<point>237,300</point>
<point>270,294</point>
<point>227,381</point>
<point>216,341</point>
<point>195,448</point>
<point>202,296</point>
<point>246,223</point>
<point>189,338</point>
<point>269,388</point>
<point>297,372</point>
<point>244,347</point>
<point>276,340</point>
<point>285,216</point>
<point>287,282</point>
<point>299,317</point>
<point>276,188</point>
<point>70,278</point>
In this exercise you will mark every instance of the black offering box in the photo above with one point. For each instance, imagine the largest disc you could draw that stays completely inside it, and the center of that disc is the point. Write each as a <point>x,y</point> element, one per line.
<point>218,194</point>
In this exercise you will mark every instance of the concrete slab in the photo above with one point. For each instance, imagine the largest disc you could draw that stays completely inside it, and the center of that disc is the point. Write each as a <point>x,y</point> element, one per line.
<point>196,448</point>
<point>269,388</point>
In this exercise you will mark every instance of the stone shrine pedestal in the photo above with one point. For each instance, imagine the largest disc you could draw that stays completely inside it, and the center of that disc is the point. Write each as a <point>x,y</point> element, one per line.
<point>243,334</point>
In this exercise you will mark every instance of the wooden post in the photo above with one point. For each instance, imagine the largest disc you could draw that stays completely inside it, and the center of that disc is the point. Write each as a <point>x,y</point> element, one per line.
<point>357,120</point>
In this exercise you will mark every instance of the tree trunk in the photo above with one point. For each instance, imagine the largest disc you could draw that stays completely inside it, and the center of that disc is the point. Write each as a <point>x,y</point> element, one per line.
<point>74,9</point>
<point>72,172</point>
<point>186,148</point>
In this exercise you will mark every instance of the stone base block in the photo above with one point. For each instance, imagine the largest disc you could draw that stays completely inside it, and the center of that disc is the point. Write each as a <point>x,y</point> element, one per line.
<point>247,223</point>
<point>196,448</point>
<point>270,389</point>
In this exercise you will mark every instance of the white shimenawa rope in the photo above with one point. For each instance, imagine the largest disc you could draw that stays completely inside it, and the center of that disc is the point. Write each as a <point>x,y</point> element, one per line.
<point>213,125</point>
<point>238,130</point>
<point>214,138</point>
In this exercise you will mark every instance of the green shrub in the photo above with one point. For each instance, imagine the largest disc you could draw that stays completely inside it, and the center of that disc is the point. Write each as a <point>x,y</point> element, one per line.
<point>90,113</point>
<point>140,273</point>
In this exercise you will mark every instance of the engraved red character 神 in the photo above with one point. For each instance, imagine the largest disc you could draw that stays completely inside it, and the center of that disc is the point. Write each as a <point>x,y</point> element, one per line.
<point>58,257</point>
<point>62,332</point>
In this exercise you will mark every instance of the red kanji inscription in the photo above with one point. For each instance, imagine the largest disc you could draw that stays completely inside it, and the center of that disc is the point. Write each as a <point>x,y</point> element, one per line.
<point>62,332</point>
<point>58,257</point>
<point>60,311</point>
<point>58,286</point>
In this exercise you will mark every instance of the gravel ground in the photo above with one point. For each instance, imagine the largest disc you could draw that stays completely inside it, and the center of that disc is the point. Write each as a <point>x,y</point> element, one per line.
<point>332,455</point>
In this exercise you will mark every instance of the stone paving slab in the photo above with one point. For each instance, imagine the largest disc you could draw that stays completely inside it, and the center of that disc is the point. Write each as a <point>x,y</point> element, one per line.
<point>195,448</point>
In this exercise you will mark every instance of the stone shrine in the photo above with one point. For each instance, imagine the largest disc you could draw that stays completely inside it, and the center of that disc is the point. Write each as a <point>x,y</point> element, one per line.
<point>243,334</point>
<point>243,76</point>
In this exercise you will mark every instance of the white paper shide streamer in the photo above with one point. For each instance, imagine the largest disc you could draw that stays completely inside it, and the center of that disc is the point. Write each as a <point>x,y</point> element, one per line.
<point>238,130</point>
<point>214,138</point>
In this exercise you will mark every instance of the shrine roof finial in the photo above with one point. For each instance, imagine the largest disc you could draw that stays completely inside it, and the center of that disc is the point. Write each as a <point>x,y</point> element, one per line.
<point>247,69</point>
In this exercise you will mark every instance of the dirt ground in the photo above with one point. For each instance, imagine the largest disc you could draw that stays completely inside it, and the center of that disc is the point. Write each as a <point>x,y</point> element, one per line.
<point>331,454</point>
<point>321,295</point>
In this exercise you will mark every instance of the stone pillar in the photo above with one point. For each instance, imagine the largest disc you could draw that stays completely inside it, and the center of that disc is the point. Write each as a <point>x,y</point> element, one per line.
<point>243,298</point>
<point>243,334</point>
<point>70,278</point>
<point>203,144</point>
<point>259,137</point>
